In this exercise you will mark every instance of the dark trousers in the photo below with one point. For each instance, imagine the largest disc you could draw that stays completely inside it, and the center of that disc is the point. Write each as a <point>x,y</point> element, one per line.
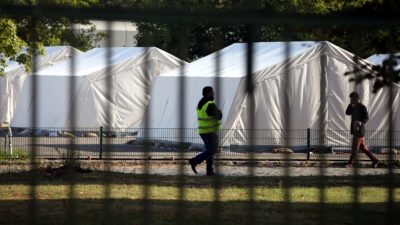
<point>211,143</point>
<point>359,143</point>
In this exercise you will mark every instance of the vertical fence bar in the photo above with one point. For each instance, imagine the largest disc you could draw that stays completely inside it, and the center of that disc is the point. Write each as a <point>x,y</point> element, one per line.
<point>107,216</point>
<point>391,219</point>
<point>356,178</point>
<point>101,142</point>
<point>147,134</point>
<point>216,215</point>
<point>146,214</point>
<point>308,143</point>
<point>287,133</point>
<point>182,52</point>
<point>251,219</point>
<point>71,156</point>
<point>323,126</point>
<point>34,176</point>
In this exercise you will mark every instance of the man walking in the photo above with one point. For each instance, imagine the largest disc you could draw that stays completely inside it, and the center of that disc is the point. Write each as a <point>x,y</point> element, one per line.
<point>209,117</point>
<point>359,117</point>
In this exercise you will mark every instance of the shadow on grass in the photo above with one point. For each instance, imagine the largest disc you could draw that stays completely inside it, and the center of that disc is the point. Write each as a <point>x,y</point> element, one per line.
<point>126,211</point>
<point>88,177</point>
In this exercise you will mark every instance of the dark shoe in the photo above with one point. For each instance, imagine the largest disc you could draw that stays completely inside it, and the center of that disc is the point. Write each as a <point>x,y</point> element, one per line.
<point>210,174</point>
<point>375,164</point>
<point>193,165</point>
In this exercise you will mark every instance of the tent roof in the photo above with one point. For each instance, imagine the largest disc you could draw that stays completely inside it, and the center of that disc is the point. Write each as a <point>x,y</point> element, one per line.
<point>12,85</point>
<point>51,54</point>
<point>233,61</point>
<point>95,60</point>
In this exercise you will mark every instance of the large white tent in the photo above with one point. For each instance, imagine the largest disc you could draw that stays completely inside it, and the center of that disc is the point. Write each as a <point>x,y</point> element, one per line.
<point>11,85</point>
<point>379,104</point>
<point>97,91</point>
<point>281,70</point>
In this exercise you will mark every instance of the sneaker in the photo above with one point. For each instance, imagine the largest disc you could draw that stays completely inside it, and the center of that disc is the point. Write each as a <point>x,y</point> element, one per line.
<point>193,165</point>
<point>210,174</point>
<point>375,164</point>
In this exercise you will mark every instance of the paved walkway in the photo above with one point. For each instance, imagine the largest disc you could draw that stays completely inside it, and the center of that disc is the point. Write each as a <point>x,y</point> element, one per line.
<point>224,168</point>
<point>258,171</point>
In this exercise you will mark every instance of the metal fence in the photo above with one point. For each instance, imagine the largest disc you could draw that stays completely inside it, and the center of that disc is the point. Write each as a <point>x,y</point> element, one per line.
<point>54,143</point>
<point>182,143</point>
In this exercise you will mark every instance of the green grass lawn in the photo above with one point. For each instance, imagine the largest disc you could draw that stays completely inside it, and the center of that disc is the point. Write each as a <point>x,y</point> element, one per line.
<point>18,154</point>
<point>138,199</point>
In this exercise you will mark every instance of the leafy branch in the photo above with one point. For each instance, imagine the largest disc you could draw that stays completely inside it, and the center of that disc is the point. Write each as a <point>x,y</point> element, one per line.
<point>384,75</point>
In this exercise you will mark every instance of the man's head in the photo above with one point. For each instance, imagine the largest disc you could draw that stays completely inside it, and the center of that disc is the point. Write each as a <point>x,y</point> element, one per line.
<point>354,97</point>
<point>208,92</point>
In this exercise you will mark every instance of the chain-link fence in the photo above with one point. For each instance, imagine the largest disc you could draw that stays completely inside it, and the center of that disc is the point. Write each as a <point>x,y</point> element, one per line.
<point>54,143</point>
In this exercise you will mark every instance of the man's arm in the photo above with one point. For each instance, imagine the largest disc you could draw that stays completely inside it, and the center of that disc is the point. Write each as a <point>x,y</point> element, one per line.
<point>364,115</point>
<point>349,110</point>
<point>213,111</point>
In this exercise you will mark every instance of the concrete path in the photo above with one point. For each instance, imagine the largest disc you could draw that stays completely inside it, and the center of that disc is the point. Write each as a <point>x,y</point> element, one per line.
<point>222,168</point>
<point>258,171</point>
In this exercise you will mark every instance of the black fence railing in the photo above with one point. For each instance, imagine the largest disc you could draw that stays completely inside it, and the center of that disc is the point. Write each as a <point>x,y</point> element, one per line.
<point>113,143</point>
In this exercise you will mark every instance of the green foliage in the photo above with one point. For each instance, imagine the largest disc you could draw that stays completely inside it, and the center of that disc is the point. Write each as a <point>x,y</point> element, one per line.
<point>384,75</point>
<point>17,155</point>
<point>10,45</point>
<point>316,6</point>
<point>202,39</point>
<point>71,159</point>
<point>77,3</point>
<point>34,34</point>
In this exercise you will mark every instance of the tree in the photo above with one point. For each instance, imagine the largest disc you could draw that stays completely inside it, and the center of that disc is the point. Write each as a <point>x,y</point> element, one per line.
<point>201,37</point>
<point>17,33</point>
<point>383,75</point>
<point>10,44</point>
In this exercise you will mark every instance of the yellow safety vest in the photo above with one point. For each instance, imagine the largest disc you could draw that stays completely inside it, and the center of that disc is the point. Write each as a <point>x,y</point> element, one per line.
<point>207,124</point>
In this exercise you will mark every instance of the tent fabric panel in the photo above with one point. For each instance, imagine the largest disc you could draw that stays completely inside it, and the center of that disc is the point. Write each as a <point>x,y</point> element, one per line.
<point>114,96</point>
<point>53,102</point>
<point>130,84</point>
<point>93,60</point>
<point>269,99</point>
<point>11,85</point>
<point>165,107</point>
<point>233,59</point>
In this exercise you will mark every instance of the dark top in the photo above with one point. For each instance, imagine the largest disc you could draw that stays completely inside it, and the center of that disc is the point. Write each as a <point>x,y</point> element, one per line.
<point>358,112</point>
<point>212,110</point>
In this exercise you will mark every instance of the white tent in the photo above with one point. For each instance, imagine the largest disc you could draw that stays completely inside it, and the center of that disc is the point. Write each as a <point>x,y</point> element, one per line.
<point>11,85</point>
<point>274,71</point>
<point>379,106</point>
<point>98,92</point>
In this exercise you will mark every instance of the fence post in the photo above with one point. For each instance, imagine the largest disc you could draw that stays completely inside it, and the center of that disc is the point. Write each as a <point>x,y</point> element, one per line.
<point>101,142</point>
<point>308,143</point>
